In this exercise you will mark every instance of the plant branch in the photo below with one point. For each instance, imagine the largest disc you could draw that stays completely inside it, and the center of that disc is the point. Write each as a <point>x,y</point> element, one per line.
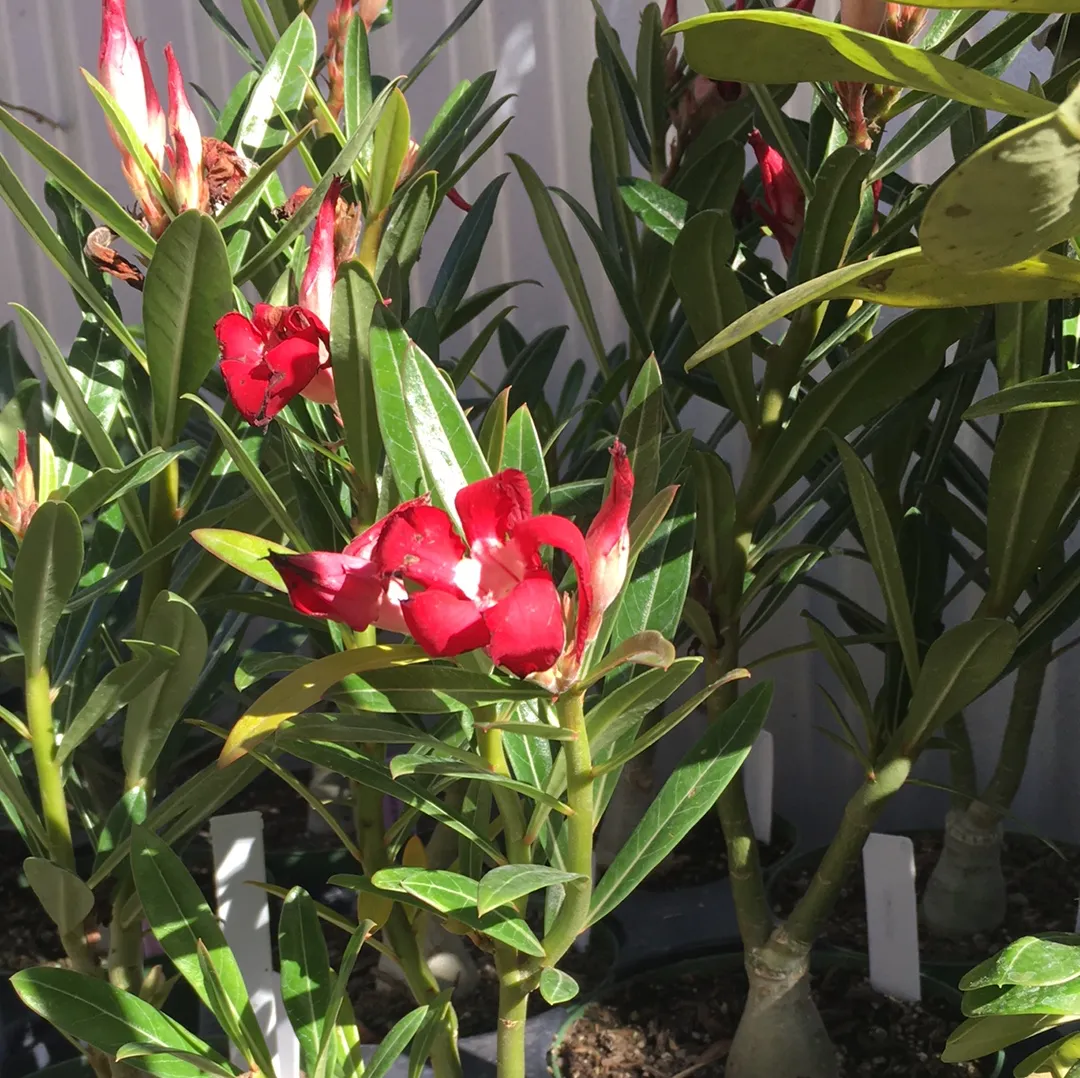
<point>54,811</point>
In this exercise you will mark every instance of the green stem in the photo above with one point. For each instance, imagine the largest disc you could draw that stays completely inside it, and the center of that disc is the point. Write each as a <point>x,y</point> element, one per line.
<point>793,939</point>
<point>961,762</point>
<point>490,743</point>
<point>125,944</point>
<point>50,779</point>
<point>514,990</point>
<point>164,500</point>
<point>369,243</point>
<point>573,915</point>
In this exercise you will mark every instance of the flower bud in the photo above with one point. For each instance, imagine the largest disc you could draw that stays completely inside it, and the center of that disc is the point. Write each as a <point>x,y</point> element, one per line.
<point>157,125</point>
<point>608,540</point>
<point>189,177</point>
<point>867,15</point>
<point>18,505</point>
<point>785,203</point>
<point>121,71</point>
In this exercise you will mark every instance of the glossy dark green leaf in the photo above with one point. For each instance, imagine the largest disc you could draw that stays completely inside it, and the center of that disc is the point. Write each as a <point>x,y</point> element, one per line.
<point>1060,390</point>
<point>46,573</point>
<point>975,1038</point>
<point>404,234</point>
<point>523,450</point>
<point>640,430</point>
<point>711,298</point>
<point>658,209</point>
<point>395,1042</point>
<point>305,971</point>
<point>107,484</point>
<point>690,792</point>
<point>505,885</point>
<point>63,896</point>
<point>357,74</point>
<point>557,987</point>
<point>391,144</point>
<point>1029,961</point>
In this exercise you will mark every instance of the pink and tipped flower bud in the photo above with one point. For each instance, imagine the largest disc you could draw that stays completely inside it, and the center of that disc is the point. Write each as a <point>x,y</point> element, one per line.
<point>189,176</point>
<point>369,11</point>
<point>784,210</point>
<point>608,539</point>
<point>805,6</point>
<point>156,123</point>
<point>866,15</point>
<point>120,70</point>
<point>317,286</point>
<point>456,199</point>
<point>903,21</point>
<point>671,14</point>
<point>408,162</point>
<point>18,505</point>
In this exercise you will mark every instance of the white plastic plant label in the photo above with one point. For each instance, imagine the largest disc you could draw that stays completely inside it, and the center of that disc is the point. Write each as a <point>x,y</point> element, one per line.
<point>239,857</point>
<point>892,921</point>
<point>758,782</point>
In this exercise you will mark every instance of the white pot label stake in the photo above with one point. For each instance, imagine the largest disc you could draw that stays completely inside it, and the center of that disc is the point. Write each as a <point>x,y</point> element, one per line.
<point>757,774</point>
<point>892,923</point>
<point>239,857</point>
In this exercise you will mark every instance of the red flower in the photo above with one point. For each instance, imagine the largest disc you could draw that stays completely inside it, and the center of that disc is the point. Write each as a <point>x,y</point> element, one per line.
<point>279,352</point>
<point>347,587</point>
<point>784,210</point>
<point>18,505</point>
<point>492,590</point>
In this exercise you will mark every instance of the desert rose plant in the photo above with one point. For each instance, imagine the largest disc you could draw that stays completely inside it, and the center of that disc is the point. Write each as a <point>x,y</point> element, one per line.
<point>890,393</point>
<point>121,627</point>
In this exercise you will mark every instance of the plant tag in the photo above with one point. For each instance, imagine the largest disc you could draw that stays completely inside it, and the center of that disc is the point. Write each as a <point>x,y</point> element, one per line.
<point>244,913</point>
<point>758,782</point>
<point>892,923</point>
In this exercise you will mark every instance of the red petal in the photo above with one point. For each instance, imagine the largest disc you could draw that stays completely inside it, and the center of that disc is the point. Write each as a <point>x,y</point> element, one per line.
<point>239,338</point>
<point>333,586</point>
<point>317,287</point>
<point>609,524</point>
<point>422,545</point>
<point>295,362</point>
<point>363,546</point>
<point>442,624</point>
<point>248,386</point>
<point>527,632</point>
<point>559,532</point>
<point>491,508</point>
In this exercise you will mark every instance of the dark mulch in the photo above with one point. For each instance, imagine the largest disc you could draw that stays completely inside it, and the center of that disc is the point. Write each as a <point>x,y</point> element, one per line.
<point>1042,884</point>
<point>664,1028</point>
<point>701,857</point>
<point>29,938</point>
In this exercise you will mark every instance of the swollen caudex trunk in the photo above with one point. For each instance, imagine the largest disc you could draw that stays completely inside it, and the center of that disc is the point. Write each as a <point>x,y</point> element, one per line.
<point>966,891</point>
<point>780,1034</point>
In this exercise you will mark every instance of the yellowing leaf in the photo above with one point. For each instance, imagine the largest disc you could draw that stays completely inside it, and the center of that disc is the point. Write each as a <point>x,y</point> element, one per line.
<point>786,46</point>
<point>414,855</point>
<point>908,279</point>
<point>373,907</point>
<point>296,692</point>
<point>1016,196</point>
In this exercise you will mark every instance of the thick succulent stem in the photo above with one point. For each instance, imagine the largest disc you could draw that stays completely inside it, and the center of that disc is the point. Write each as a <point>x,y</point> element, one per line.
<point>780,1034</point>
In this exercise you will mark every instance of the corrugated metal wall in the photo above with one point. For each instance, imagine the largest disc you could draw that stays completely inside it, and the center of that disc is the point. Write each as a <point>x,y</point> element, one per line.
<point>542,50</point>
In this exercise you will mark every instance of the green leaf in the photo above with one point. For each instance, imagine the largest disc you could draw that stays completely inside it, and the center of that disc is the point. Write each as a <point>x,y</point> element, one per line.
<point>885,370</point>
<point>107,484</point>
<point>505,885</point>
<point>881,548</point>
<point>307,211</point>
<point>1029,961</point>
<point>391,146</point>
<point>357,75</point>
<point>305,971</point>
<point>562,256</point>
<point>281,86</point>
<point>172,623</point>
<point>978,1037</point>
<point>34,221</point>
<point>462,256</point>
<point>63,896</point>
<point>908,279</point>
<point>690,792</point>
<point>395,1042</point>
<point>648,648</point>
<point>188,288</point>
<point>117,689</point>
<point>92,1010</point>
<point>1016,196</point>
<point>46,572</point>
<point>134,1050</point>
<point>960,666</point>
<point>1020,335</point>
<point>247,553</point>
<point>128,811</point>
<point>355,299</point>
<point>79,185</point>
<point>255,476</point>
<point>455,895</point>
<point>784,47</point>
<point>1032,482</point>
<point>181,920</point>
<point>522,449</point>
<point>842,664</point>
<point>29,822</point>
<point>1059,390</point>
<point>404,234</point>
<point>1059,999</point>
<point>658,209</point>
<point>640,429</point>
<point>651,75</point>
<point>557,987</point>
<point>712,298</point>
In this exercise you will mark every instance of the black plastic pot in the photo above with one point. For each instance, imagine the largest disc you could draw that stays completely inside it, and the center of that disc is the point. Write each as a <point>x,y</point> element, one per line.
<point>732,961</point>
<point>686,922</point>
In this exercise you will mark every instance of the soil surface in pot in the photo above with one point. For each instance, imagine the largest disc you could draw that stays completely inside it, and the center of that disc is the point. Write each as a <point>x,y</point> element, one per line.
<point>1042,884</point>
<point>701,857</point>
<point>671,1026</point>
<point>379,1002</point>
<point>29,938</point>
